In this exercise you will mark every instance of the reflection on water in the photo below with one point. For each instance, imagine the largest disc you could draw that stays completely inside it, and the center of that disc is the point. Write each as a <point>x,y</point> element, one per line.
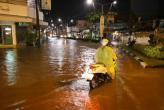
<point>10,63</point>
<point>49,78</point>
<point>60,52</point>
<point>87,57</point>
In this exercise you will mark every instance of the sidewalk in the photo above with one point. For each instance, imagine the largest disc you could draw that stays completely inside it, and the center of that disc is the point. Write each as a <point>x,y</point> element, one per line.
<point>8,46</point>
<point>142,59</point>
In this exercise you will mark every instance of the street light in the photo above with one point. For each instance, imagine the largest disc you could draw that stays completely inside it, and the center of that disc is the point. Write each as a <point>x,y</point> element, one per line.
<point>59,26</point>
<point>89,2</point>
<point>71,24</point>
<point>71,20</point>
<point>113,3</point>
<point>52,24</point>
<point>59,20</point>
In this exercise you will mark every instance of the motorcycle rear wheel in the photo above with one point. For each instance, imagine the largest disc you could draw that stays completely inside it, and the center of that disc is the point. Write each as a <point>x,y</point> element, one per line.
<point>93,84</point>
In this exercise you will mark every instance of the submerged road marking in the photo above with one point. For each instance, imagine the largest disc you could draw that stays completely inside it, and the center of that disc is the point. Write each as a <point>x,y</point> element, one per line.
<point>130,93</point>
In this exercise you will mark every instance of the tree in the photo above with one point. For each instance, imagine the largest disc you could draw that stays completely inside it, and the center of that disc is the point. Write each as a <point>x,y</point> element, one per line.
<point>94,17</point>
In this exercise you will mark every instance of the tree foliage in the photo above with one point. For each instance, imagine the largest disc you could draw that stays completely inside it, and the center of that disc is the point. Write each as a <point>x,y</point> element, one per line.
<point>94,16</point>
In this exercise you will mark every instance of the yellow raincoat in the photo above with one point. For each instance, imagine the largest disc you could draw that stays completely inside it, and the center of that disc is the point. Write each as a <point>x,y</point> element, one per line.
<point>105,55</point>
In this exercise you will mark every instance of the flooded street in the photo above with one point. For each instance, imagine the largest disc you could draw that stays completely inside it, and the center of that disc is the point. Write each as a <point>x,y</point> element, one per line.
<point>49,78</point>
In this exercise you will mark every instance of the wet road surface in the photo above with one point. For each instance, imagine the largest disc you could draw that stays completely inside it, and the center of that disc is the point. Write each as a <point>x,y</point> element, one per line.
<point>49,78</point>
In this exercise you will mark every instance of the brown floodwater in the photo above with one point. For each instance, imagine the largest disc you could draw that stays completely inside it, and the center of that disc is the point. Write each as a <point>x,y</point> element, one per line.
<point>49,78</point>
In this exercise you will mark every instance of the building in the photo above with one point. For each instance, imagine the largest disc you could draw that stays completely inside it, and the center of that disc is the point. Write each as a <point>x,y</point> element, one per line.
<point>82,24</point>
<point>112,17</point>
<point>14,16</point>
<point>76,30</point>
<point>11,12</point>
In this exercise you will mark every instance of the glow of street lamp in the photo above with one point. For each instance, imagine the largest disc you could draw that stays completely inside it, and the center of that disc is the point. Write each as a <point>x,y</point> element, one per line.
<point>59,19</point>
<point>114,2</point>
<point>89,2</point>
<point>71,21</point>
<point>52,24</point>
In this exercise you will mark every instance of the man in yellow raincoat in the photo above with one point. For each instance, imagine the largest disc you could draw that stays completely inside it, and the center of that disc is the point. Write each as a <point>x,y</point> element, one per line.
<point>105,55</point>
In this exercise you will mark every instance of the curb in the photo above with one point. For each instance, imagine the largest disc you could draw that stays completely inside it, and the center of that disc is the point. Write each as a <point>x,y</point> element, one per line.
<point>8,46</point>
<point>142,63</point>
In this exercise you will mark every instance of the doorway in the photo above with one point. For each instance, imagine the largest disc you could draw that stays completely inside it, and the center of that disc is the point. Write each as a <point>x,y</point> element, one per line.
<point>6,35</point>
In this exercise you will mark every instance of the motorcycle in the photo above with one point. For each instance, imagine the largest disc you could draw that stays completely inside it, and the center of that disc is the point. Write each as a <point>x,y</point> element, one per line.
<point>96,75</point>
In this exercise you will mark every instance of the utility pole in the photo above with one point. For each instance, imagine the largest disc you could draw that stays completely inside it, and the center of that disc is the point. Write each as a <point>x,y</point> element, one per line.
<point>37,25</point>
<point>102,9</point>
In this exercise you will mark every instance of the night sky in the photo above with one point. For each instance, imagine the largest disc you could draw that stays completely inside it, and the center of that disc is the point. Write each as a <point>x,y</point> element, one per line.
<point>148,8</point>
<point>68,9</point>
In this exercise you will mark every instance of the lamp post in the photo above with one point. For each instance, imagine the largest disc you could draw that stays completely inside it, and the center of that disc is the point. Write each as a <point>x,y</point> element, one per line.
<point>59,26</point>
<point>89,2</point>
<point>71,23</point>
<point>37,24</point>
<point>113,3</point>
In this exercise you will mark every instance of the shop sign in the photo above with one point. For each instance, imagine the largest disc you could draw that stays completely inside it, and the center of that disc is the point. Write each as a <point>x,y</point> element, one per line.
<point>46,4</point>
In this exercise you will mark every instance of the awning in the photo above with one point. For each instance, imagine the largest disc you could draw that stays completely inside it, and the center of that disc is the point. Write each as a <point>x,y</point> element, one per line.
<point>15,18</point>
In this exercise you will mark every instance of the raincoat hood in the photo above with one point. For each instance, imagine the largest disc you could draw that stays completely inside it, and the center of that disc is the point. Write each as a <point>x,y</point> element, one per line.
<point>104,42</point>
